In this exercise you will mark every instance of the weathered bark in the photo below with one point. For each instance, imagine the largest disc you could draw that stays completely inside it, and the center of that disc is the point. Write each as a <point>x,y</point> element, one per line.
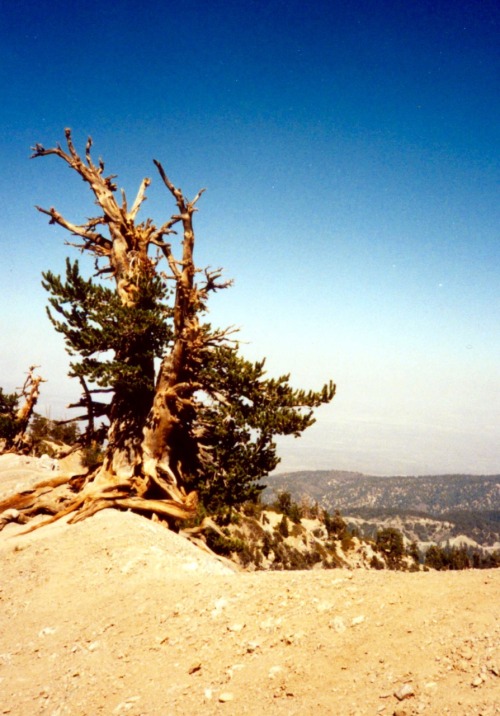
<point>175,387</point>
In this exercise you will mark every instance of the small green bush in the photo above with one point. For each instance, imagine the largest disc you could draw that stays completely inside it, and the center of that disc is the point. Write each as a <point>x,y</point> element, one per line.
<point>282,527</point>
<point>376,563</point>
<point>223,545</point>
<point>347,543</point>
<point>92,456</point>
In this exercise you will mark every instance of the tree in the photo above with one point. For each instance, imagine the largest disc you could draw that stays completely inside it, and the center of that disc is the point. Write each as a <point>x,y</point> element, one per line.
<point>14,419</point>
<point>8,422</point>
<point>283,502</point>
<point>390,541</point>
<point>188,416</point>
<point>335,525</point>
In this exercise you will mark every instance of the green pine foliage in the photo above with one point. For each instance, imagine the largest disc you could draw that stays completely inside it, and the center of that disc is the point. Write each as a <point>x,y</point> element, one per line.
<point>243,413</point>
<point>239,409</point>
<point>390,541</point>
<point>461,557</point>
<point>103,333</point>
<point>8,422</point>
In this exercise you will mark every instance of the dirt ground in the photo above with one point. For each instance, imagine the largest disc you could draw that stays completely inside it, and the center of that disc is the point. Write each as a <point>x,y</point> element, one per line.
<point>117,615</point>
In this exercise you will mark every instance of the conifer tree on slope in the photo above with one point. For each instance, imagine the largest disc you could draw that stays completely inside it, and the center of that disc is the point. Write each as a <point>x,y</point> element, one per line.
<point>189,417</point>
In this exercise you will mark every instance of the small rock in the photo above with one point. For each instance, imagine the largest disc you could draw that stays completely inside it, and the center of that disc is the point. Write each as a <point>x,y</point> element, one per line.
<point>236,627</point>
<point>225,697</point>
<point>405,692</point>
<point>271,623</point>
<point>235,667</point>
<point>466,653</point>
<point>477,681</point>
<point>338,624</point>
<point>274,670</point>
<point>219,605</point>
<point>324,606</point>
<point>400,712</point>
<point>252,646</point>
<point>357,620</point>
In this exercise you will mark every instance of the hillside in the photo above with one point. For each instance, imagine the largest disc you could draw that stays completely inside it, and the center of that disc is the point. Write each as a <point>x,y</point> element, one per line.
<point>432,508</point>
<point>117,615</point>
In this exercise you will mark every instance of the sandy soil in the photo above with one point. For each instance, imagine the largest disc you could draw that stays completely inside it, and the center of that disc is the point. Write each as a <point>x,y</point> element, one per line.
<point>116,615</point>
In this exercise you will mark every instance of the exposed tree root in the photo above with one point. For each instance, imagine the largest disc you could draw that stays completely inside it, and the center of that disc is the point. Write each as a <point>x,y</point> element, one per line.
<point>59,515</point>
<point>81,497</point>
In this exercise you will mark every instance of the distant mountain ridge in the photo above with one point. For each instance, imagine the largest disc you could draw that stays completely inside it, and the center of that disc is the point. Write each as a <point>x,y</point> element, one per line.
<point>464,504</point>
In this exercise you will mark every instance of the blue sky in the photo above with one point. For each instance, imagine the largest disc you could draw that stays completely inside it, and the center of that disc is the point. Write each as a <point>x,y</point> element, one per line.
<point>350,156</point>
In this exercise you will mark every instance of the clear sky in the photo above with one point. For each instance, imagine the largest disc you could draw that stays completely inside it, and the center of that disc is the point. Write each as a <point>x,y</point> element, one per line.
<point>350,154</point>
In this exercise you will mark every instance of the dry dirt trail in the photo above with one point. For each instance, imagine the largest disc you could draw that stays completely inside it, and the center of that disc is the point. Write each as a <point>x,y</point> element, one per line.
<point>116,615</point>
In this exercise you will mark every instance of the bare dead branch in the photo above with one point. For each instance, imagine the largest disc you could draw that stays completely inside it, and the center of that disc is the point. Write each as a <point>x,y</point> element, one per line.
<point>124,201</point>
<point>102,187</point>
<point>193,202</point>
<point>87,151</point>
<point>139,199</point>
<point>100,271</point>
<point>211,281</point>
<point>95,240</point>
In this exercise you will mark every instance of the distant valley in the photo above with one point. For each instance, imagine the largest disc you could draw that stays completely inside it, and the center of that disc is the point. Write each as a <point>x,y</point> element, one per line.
<point>438,509</point>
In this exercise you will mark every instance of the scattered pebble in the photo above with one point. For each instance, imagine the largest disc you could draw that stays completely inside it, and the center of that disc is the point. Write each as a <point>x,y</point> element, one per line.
<point>466,653</point>
<point>226,696</point>
<point>274,670</point>
<point>338,624</point>
<point>405,692</point>
<point>236,627</point>
<point>357,620</point>
<point>252,646</point>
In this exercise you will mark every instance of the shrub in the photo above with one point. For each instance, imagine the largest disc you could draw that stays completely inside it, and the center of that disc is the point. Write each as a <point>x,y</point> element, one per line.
<point>390,542</point>
<point>335,525</point>
<point>8,409</point>
<point>347,542</point>
<point>376,563</point>
<point>252,509</point>
<point>266,544</point>
<point>282,527</point>
<point>224,545</point>
<point>92,455</point>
